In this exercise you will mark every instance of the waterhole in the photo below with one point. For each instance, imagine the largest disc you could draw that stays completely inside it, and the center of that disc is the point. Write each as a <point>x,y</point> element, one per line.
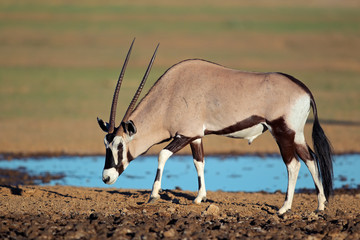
<point>227,173</point>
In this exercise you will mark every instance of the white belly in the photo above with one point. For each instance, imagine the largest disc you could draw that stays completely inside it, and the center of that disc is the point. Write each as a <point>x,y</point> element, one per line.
<point>248,133</point>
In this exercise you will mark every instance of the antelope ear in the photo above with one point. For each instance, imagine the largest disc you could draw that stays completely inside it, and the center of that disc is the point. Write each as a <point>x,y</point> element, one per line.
<point>104,126</point>
<point>129,128</point>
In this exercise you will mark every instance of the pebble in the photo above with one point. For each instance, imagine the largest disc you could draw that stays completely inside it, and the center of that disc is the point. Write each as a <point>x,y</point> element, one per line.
<point>171,210</point>
<point>212,209</point>
<point>170,233</point>
<point>313,216</point>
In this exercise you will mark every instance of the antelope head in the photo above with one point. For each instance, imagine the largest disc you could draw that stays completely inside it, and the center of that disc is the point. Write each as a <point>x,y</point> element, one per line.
<point>117,138</point>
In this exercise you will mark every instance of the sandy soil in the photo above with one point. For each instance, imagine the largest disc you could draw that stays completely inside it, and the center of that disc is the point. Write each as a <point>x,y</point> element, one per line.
<point>44,212</point>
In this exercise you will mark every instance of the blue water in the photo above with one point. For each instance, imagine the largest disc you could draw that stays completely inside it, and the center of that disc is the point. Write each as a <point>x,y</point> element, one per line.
<point>227,173</point>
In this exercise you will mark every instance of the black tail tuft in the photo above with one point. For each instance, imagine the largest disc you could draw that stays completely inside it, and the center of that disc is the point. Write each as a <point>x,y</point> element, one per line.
<point>324,154</point>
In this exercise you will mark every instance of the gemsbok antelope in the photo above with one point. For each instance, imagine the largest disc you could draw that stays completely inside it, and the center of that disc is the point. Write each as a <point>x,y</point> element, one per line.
<point>194,98</point>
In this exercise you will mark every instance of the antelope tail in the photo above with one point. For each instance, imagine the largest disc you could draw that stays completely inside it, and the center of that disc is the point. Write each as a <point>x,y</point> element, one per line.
<point>323,154</point>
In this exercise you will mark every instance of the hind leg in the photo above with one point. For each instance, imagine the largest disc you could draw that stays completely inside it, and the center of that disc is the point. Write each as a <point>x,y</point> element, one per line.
<point>199,162</point>
<point>293,170</point>
<point>307,155</point>
<point>284,137</point>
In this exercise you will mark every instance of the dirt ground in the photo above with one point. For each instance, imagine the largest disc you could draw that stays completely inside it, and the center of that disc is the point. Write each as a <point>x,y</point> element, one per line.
<point>57,70</point>
<point>61,212</point>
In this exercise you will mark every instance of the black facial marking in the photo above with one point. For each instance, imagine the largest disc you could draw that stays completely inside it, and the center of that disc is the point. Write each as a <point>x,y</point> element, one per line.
<point>120,152</point>
<point>109,159</point>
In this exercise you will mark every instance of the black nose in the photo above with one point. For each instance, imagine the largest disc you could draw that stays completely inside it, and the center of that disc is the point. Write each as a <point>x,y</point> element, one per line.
<point>106,180</point>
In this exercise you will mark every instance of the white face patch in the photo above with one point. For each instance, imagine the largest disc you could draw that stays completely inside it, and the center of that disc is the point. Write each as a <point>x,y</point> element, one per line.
<point>115,148</point>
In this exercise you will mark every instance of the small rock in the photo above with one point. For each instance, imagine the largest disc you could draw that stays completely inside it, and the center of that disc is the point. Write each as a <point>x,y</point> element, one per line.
<point>313,216</point>
<point>171,210</point>
<point>30,190</point>
<point>121,231</point>
<point>124,211</point>
<point>76,235</point>
<point>169,233</point>
<point>212,209</point>
<point>192,214</point>
<point>274,220</point>
<point>284,216</point>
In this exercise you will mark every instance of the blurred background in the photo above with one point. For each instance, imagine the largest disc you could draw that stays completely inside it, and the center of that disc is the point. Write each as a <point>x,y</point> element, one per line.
<point>59,62</point>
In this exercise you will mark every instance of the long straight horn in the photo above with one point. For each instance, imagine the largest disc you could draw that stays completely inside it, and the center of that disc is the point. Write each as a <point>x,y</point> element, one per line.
<point>138,92</point>
<point>116,93</point>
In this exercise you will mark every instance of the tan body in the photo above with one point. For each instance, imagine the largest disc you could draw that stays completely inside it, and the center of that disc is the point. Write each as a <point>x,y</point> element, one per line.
<point>195,98</point>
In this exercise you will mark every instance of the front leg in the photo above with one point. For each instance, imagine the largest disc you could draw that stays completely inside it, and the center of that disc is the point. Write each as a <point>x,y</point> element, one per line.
<point>163,157</point>
<point>178,143</point>
<point>199,162</point>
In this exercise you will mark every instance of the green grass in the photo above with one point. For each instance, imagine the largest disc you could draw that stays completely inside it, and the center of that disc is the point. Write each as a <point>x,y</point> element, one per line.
<point>167,18</point>
<point>55,93</point>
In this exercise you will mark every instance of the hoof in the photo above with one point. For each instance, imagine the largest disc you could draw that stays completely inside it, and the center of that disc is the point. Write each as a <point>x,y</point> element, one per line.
<point>199,200</point>
<point>317,211</point>
<point>285,214</point>
<point>153,199</point>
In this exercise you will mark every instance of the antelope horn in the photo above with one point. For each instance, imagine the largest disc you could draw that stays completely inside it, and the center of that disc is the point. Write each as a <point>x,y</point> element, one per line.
<point>138,92</point>
<point>116,93</point>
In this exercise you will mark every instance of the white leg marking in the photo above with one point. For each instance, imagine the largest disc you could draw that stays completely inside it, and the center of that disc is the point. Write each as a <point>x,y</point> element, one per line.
<point>202,190</point>
<point>318,184</point>
<point>163,157</point>
<point>293,170</point>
